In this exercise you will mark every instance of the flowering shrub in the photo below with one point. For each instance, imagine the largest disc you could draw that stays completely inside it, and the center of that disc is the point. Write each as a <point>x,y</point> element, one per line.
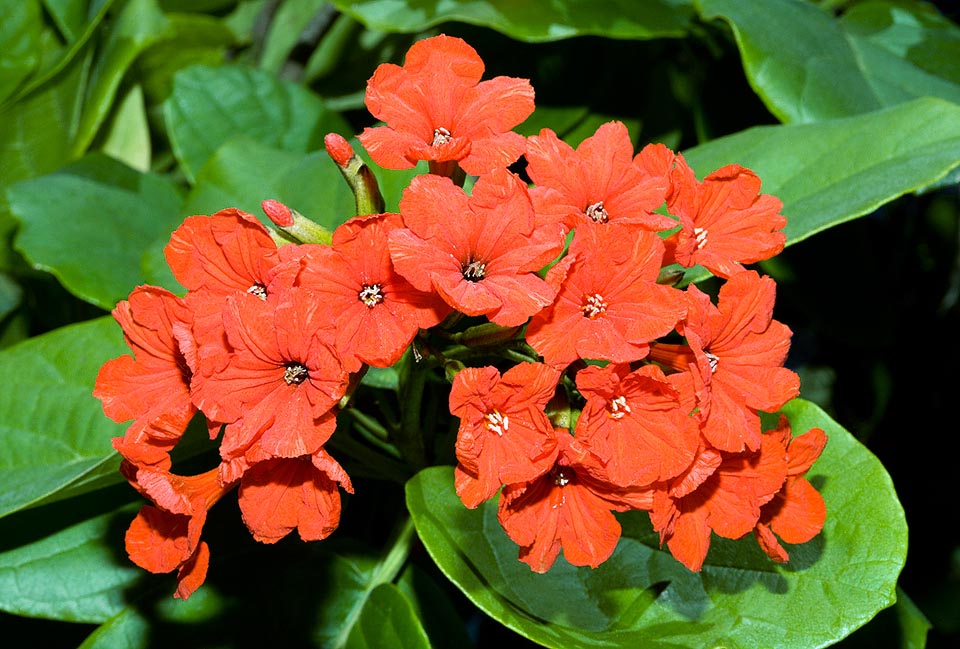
<point>487,365</point>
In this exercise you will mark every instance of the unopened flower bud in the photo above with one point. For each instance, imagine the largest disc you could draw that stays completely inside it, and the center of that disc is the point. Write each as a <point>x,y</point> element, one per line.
<point>358,175</point>
<point>294,226</point>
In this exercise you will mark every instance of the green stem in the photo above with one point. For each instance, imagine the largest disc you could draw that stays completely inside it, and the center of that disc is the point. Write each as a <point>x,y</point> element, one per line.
<point>386,571</point>
<point>410,437</point>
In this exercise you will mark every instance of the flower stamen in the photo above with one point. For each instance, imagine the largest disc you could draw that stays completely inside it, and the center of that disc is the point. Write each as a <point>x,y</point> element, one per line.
<point>562,476</point>
<point>714,359</point>
<point>618,407</point>
<point>701,235</point>
<point>473,271</point>
<point>295,373</point>
<point>597,213</point>
<point>497,422</point>
<point>259,290</point>
<point>441,136</point>
<point>593,306</point>
<point>371,295</point>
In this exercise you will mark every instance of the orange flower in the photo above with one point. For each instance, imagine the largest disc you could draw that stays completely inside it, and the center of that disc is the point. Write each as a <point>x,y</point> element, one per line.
<point>727,501</point>
<point>598,183</point>
<point>377,312</point>
<point>480,253</point>
<point>736,353</point>
<point>505,435</point>
<point>569,508</point>
<point>725,221</point>
<point>609,305</point>
<point>283,494</point>
<point>153,388</point>
<point>437,109</point>
<point>166,537</point>
<point>797,512</point>
<point>278,389</point>
<point>634,424</point>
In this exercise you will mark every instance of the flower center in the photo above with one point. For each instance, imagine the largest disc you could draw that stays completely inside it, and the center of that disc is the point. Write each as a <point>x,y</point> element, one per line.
<point>597,213</point>
<point>259,290</point>
<point>593,305</point>
<point>496,422</point>
<point>295,374</point>
<point>714,359</point>
<point>618,407</point>
<point>701,235</point>
<point>371,295</point>
<point>473,271</point>
<point>441,136</point>
<point>562,476</point>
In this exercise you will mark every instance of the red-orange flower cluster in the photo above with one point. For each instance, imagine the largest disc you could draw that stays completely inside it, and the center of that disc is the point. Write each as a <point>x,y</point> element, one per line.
<point>269,340</point>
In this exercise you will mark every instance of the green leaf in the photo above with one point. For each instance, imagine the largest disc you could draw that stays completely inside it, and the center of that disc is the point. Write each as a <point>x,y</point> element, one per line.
<point>209,106</point>
<point>35,135</point>
<point>434,608</point>
<point>128,135</point>
<point>139,25</point>
<point>835,171</point>
<point>807,66</point>
<point>914,625</point>
<point>641,596</point>
<point>346,578</point>
<point>10,295</point>
<point>387,620</point>
<point>19,41</point>
<point>76,574</point>
<point>532,20</point>
<point>54,435</point>
<point>195,39</point>
<point>91,223</point>
<point>286,28</point>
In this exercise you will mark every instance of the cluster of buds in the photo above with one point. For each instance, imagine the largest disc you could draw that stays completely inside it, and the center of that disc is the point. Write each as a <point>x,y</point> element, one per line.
<point>633,394</point>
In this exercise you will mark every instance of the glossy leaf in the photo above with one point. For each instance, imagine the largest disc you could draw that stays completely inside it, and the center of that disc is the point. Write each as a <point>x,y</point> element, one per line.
<point>643,597</point>
<point>346,579</point>
<point>387,620</point>
<point>835,171</point>
<point>208,106</point>
<point>19,41</point>
<point>128,134</point>
<point>54,433</point>
<point>77,574</point>
<point>808,66</point>
<point>91,223</point>
<point>434,608</point>
<point>140,24</point>
<point>289,22</point>
<point>533,20</point>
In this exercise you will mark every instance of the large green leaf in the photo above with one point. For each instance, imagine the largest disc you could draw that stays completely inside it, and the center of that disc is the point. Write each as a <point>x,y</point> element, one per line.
<point>643,597</point>
<point>834,171</point>
<point>54,435</point>
<point>139,25</point>
<point>286,29</point>
<point>532,20</point>
<point>387,620</point>
<point>208,106</point>
<point>19,40</point>
<point>92,223</point>
<point>808,66</point>
<point>76,574</point>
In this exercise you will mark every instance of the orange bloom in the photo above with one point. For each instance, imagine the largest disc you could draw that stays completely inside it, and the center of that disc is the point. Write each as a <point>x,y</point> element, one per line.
<point>727,501</point>
<point>797,512</point>
<point>166,537</point>
<point>568,508</point>
<point>634,424</point>
<point>480,253</point>
<point>609,305</point>
<point>278,389</point>
<point>725,221</point>
<point>598,183</point>
<point>283,494</point>
<point>736,353</point>
<point>377,312</point>
<point>437,109</point>
<point>153,388</point>
<point>505,435</point>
